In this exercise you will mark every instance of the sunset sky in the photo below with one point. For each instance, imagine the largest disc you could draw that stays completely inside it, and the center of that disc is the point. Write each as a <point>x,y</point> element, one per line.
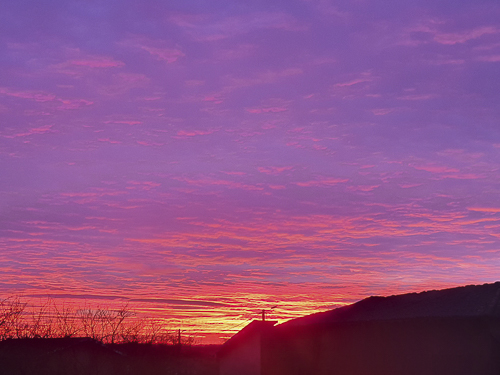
<point>204,160</point>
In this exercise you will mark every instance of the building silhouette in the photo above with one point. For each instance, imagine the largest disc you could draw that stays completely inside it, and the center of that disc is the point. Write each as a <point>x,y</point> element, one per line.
<point>443,332</point>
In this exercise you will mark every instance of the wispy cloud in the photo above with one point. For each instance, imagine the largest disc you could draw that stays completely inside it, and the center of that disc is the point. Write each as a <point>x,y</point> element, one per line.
<point>491,58</point>
<point>82,65</point>
<point>46,97</point>
<point>156,48</point>
<point>38,96</point>
<point>484,209</point>
<point>274,170</point>
<point>193,133</point>
<point>322,182</point>
<point>33,131</point>
<point>208,28</point>
<point>165,54</point>
<point>434,30</point>
<point>462,37</point>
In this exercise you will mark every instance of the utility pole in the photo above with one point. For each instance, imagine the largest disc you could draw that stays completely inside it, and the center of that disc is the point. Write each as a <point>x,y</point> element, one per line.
<point>179,337</point>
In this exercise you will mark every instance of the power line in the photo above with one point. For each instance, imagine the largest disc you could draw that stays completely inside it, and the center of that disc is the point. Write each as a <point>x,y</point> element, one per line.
<point>238,325</point>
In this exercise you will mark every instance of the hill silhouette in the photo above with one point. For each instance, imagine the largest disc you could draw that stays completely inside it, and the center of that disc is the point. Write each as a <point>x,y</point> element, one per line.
<point>452,331</point>
<point>466,301</point>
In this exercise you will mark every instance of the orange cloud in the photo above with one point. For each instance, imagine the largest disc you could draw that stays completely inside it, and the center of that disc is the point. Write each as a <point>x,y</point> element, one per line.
<point>484,209</point>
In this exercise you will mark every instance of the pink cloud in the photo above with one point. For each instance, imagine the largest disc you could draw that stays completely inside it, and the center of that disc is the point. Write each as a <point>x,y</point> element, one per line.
<point>241,51</point>
<point>192,133</point>
<point>235,173</point>
<point>132,79</point>
<point>455,38</point>
<point>273,105</point>
<point>194,82</point>
<point>319,147</point>
<point>418,97</point>
<point>269,125</point>
<point>38,96</point>
<point>92,196</point>
<point>40,130</point>
<point>447,172</point>
<point>328,9</point>
<point>407,186</point>
<point>267,110</point>
<point>492,58</point>
<point>442,61</point>
<point>484,209</point>
<point>264,78</point>
<point>364,77</point>
<point>142,185</point>
<point>487,47</point>
<point>144,143</point>
<point>217,98</point>
<point>82,65</point>
<point>156,48</point>
<point>187,19</point>
<point>108,140</point>
<point>215,182</point>
<point>351,83</point>
<point>206,29</point>
<point>433,26</point>
<point>123,82</point>
<point>382,111</point>
<point>294,144</point>
<point>126,122</point>
<point>364,188</point>
<point>465,176</point>
<point>322,182</point>
<point>43,97</point>
<point>98,63</point>
<point>73,103</point>
<point>436,169</point>
<point>165,54</point>
<point>274,170</point>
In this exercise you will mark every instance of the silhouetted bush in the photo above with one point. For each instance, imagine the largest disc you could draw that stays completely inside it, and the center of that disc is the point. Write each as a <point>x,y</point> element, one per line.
<point>19,319</point>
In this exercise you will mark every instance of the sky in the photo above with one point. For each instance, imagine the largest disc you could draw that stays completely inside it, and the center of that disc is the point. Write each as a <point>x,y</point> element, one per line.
<point>204,160</point>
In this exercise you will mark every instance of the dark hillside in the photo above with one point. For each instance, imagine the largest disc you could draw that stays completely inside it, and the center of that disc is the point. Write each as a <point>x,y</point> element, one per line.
<point>441,332</point>
<point>466,301</point>
<point>417,346</point>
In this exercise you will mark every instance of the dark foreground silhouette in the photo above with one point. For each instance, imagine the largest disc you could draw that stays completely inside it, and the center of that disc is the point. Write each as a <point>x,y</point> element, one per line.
<point>84,356</point>
<point>443,332</point>
<point>447,332</point>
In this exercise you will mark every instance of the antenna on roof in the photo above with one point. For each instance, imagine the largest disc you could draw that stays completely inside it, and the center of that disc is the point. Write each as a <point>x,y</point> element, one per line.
<point>263,312</point>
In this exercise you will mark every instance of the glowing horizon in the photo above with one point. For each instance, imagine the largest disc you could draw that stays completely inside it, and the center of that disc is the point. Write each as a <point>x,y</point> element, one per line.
<point>205,161</point>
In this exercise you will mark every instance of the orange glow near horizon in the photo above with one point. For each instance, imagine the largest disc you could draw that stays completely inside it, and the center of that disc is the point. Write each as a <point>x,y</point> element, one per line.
<point>210,321</point>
